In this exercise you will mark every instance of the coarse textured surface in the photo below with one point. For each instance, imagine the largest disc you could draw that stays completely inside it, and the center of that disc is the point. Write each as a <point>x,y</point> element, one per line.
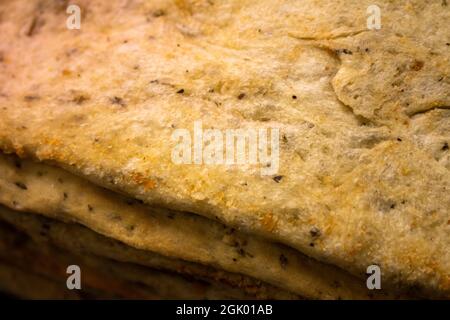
<point>55,193</point>
<point>364,154</point>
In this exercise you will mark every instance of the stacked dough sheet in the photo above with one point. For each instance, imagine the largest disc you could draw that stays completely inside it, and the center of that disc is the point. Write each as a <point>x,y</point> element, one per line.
<point>88,177</point>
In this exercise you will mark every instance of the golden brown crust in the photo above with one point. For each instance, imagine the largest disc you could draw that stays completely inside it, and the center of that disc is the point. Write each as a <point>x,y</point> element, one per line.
<point>348,135</point>
<point>54,193</point>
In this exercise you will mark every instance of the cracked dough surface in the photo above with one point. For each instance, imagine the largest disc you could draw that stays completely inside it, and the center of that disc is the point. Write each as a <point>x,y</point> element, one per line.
<point>363,158</point>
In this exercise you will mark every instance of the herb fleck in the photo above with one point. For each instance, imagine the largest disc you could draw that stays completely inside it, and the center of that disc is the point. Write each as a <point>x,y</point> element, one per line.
<point>17,163</point>
<point>283,261</point>
<point>171,215</point>
<point>277,179</point>
<point>33,27</point>
<point>346,51</point>
<point>230,231</point>
<point>118,100</point>
<point>417,65</point>
<point>315,232</point>
<point>114,217</point>
<point>80,99</point>
<point>21,185</point>
<point>31,97</point>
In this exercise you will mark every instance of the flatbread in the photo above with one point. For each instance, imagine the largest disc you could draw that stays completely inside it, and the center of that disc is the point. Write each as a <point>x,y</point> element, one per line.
<point>110,279</point>
<point>17,283</point>
<point>104,101</point>
<point>58,194</point>
<point>80,241</point>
